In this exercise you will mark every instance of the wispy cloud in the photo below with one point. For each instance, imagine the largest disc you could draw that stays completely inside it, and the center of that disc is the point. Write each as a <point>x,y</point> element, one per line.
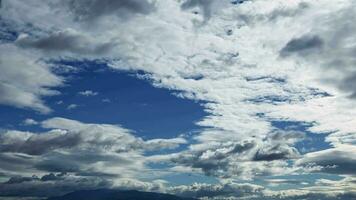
<point>88,93</point>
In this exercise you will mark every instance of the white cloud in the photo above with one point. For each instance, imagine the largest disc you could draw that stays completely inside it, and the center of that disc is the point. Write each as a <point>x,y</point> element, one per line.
<point>24,79</point>
<point>218,191</point>
<point>88,93</point>
<point>30,122</point>
<point>72,106</point>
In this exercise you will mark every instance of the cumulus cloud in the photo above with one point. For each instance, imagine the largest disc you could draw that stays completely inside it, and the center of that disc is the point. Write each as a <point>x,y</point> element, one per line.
<point>245,159</point>
<point>85,151</point>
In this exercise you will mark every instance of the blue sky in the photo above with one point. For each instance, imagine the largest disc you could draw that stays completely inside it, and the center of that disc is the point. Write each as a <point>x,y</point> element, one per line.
<point>121,98</point>
<point>199,98</point>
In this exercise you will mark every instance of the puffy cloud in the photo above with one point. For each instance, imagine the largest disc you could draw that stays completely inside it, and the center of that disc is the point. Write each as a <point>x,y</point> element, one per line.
<point>277,152</point>
<point>85,150</point>
<point>245,159</point>
<point>132,184</point>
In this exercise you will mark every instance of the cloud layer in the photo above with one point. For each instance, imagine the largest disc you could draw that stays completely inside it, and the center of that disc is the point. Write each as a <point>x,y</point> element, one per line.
<point>250,63</point>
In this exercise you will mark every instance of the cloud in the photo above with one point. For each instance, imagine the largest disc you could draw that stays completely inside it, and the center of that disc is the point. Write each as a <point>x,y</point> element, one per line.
<point>85,150</point>
<point>302,45</point>
<point>25,88</point>
<point>245,159</point>
<point>339,160</point>
<point>277,152</point>
<point>35,144</point>
<point>205,6</point>
<point>72,106</point>
<point>249,65</point>
<point>95,9</point>
<point>65,41</point>
<point>328,46</point>
<point>88,93</point>
<point>233,190</point>
<point>30,122</point>
<point>44,187</point>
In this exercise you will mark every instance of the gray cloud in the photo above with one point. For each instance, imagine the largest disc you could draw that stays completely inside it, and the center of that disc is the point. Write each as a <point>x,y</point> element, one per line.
<point>90,10</point>
<point>244,159</point>
<point>45,186</point>
<point>303,45</point>
<point>279,146</point>
<point>66,41</point>
<point>36,144</point>
<point>19,179</point>
<point>277,152</point>
<point>340,160</point>
<point>84,150</point>
<point>215,159</point>
<point>328,46</point>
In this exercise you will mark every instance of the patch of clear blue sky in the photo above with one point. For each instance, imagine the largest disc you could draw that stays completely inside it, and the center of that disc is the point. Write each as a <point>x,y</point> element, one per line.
<point>122,99</point>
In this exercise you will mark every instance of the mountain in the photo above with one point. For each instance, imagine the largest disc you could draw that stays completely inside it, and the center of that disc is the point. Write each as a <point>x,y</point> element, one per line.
<point>111,194</point>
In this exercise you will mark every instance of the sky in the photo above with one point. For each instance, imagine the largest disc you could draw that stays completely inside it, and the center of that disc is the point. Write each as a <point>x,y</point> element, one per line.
<point>210,99</point>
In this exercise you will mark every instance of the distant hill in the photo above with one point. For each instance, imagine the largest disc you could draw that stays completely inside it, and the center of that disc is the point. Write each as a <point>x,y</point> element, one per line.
<point>111,194</point>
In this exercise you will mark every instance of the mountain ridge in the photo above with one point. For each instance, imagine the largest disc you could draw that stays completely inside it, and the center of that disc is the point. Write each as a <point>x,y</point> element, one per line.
<point>114,194</point>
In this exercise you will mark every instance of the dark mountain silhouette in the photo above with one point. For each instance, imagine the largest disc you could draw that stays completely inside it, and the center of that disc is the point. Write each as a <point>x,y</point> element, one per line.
<point>111,194</point>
